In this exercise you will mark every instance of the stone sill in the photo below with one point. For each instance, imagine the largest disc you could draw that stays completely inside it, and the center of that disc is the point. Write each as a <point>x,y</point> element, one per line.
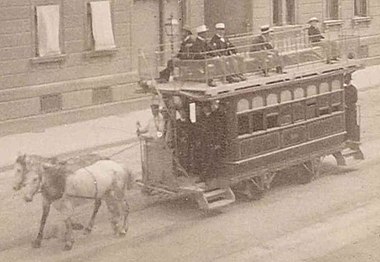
<point>331,23</point>
<point>100,53</point>
<point>48,59</point>
<point>361,20</point>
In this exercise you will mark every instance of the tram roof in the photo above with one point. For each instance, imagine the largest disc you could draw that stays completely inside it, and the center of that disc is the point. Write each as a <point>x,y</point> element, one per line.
<point>255,82</point>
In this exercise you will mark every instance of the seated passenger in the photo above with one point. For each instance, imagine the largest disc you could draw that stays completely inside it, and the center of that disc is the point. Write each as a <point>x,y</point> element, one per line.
<point>184,53</point>
<point>224,47</point>
<point>201,50</point>
<point>262,42</point>
<point>316,38</point>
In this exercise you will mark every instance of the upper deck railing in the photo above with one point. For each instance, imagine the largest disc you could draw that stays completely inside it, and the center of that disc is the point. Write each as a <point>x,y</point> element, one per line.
<point>291,48</point>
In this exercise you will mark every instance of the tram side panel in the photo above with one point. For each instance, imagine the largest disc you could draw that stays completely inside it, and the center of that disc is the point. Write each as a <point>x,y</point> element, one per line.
<point>310,124</point>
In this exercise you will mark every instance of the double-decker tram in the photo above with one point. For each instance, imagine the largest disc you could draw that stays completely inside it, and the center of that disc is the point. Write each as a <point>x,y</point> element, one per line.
<point>237,137</point>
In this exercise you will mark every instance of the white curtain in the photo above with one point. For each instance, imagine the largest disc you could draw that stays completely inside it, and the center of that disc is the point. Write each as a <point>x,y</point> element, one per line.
<point>48,30</point>
<point>102,25</point>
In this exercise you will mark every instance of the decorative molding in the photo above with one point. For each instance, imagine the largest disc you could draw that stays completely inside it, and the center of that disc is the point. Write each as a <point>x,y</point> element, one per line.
<point>48,59</point>
<point>358,20</point>
<point>99,53</point>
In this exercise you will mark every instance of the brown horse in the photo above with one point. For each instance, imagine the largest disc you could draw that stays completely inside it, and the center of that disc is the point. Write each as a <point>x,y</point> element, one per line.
<point>61,187</point>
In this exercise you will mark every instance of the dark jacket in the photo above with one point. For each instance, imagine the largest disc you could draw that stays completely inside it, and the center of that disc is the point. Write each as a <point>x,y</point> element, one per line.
<point>200,49</point>
<point>260,43</point>
<point>314,34</point>
<point>223,46</point>
<point>185,48</point>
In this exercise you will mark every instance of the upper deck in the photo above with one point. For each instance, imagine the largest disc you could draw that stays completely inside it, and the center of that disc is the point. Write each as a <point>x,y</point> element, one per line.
<point>257,81</point>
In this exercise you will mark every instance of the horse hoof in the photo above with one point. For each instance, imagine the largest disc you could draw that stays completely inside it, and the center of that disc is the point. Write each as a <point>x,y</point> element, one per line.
<point>77,226</point>
<point>36,244</point>
<point>87,231</point>
<point>122,233</point>
<point>68,246</point>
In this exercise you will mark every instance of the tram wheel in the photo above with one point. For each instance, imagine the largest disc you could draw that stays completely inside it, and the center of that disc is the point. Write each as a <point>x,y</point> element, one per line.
<point>309,170</point>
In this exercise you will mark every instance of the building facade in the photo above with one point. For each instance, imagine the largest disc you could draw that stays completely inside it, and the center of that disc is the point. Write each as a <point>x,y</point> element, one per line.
<point>65,55</point>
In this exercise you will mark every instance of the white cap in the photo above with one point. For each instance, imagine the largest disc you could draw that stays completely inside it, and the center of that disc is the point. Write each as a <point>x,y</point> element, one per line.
<point>220,26</point>
<point>313,19</point>
<point>266,29</point>
<point>202,28</point>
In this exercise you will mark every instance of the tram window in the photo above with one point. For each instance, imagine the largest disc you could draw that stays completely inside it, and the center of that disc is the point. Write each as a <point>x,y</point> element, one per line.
<point>257,101</point>
<point>298,112</point>
<point>286,95</point>
<point>311,106</point>
<point>242,105</point>
<point>243,124</point>
<point>324,104</point>
<point>299,93</point>
<point>311,90</point>
<point>272,99</point>
<point>336,107</point>
<point>324,88</point>
<point>336,85</point>
<point>285,115</point>
<point>258,121</point>
<point>272,120</point>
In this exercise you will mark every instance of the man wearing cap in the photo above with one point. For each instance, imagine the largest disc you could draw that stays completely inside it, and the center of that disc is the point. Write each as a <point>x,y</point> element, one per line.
<point>155,126</point>
<point>201,50</point>
<point>184,53</point>
<point>223,47</point>
<point>317,39</point>
<point>262,42</point>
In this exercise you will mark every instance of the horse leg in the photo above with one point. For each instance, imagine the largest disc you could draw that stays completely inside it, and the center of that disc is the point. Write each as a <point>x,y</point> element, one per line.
<point>125,217</point>
<point>114,209</point>
<point>69,241</point>
<point>45,212</point>
<point>88,229</point>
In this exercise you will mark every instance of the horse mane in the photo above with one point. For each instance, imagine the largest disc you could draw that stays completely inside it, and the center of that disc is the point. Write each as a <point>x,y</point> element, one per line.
<point>54,182</point>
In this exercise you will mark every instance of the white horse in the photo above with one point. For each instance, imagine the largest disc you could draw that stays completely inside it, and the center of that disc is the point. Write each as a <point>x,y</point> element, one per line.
<point>104,180</point>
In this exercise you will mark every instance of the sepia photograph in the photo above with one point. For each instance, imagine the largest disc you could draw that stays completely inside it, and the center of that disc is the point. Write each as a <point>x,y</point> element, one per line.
<point>190,130</point>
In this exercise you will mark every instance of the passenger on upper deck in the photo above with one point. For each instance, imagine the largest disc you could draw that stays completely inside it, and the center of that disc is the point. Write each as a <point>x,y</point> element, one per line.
<point>201,50</point>
<point>262,42</point>
<point>222,46</point>
<point>183,53</point>
<point>316,38</point>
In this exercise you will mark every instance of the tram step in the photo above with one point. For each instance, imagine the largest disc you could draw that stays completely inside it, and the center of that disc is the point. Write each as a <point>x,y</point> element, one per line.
<point>214,193</point>
<point>216,198</point>
<point>357,154</point>
<point>220,203</point>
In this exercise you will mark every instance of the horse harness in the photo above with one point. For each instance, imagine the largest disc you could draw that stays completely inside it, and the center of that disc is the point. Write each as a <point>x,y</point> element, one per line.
<point>95,184</point>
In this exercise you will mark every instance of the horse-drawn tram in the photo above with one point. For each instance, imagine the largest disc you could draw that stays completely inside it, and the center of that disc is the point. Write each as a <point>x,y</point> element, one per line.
<point>236,137</point>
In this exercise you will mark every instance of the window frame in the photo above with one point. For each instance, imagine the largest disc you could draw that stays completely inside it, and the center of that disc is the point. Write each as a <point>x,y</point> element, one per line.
<point>37,59</point>
<point>358,13</point>
<point>328,6</point>
<point>89,43</point>
<point>283,15</point>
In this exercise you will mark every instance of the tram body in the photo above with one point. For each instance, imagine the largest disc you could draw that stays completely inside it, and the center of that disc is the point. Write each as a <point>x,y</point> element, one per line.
<point>261,126</point>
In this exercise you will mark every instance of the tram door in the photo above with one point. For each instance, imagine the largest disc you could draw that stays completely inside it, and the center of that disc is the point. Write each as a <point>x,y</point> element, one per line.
<point>208,139</point>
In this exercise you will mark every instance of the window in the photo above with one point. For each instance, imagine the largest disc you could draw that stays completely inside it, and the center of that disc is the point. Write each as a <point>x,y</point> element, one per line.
<point>272,99</point>
<point>286,95</point>
<point>324,88</point>
<point>335,85</point>
<point>258,121</point>
<point>283,12</point>
<point>243,124</point>
<point>100,26</point>
<point>272,120</point>
<point>332,9</point>
<point>299,93</point>
<point>311,90</point>
<point>360,8</point>
<point>242,105</point>
<point>257,101</point>
<point>48,30</point>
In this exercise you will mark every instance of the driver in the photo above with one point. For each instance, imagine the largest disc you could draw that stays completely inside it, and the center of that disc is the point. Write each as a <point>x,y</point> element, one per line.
<point>156,125</point>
